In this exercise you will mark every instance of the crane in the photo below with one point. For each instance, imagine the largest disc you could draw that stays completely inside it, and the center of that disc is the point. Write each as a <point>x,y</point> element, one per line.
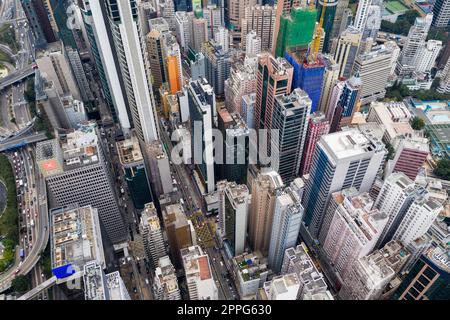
<point>315,44</point>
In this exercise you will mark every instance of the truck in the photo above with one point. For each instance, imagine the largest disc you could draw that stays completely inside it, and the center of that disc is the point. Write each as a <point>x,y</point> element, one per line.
<point>32,222</point>
<point>20,182</point>
<point>22,253</point>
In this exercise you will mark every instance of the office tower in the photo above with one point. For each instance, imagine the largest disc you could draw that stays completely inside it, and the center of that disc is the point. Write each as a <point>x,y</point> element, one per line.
<point>252,44</point>
<point>152,235</point>
<point>290,117</point>
<point>132,164</point>
<point>217,66</point>
<point>156,58</point>
<point>410,155</point>
<point>101,286</point>
<point>429,277</point>
<point>330,77</point>
<point>199,33</point>
<point>198,66</point>
<point>444,84</point>
<point>260,19</point>
<point>330,7</point>
<point>173,63</point>
<point>287,217</point>
<point>178,231</point>
<point>147,11</point>
<point>75,239</point>
<point>346,103</point>
<point>353,232</point>
<point>374,69</point>
<point>199,278</point>
<point>182,5</point>
<point>183,26</point>
<point>241,82</point>
<point>235,147</point>
<point>340,17</point>
<point>79,73</point>
<point>233,215</point>
<point>102,49</point>
<point>124,24</point>
<point>213,15</point>
<point>264,195</point>
<point>250,271</point>
<point>297,260</point>
<point>318,125</point>
<point>395,50</point>
<point>361,14</point>
<point>236,12</point>
<point>441,13</point>
<point>39,22</point>
<point>157,168</point>
<point>55,68</point>
<point>367,278</point>
<point>296,30</point>
<point>347,50</point>
<point>274,77</point>
<point>248,109</point>
<point>167,11</point>
<point>284,287</point>
<point>349,158</point>
<point>76,171</point>
<point>427,55</point>
<point>202,110</point>
<point>165,284</point>
<point>415,40</point>
<point>373,21</point>
<point>222,38</point>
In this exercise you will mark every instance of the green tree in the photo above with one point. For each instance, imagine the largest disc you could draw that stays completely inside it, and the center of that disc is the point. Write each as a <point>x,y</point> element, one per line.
<point>391,151</point>
<point>417,123</point>
<point>442,169</point>
<point>20,284</point>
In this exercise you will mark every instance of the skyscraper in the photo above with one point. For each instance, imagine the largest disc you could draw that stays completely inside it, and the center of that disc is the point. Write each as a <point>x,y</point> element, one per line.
<point>39,22</point>
<point>291,115</point>
<point>124,22</point>
<point>252,44</point>
<point>426,56</point>
<point>76,171</point>
<point>199,33</point>
<point>361,15</point>
<point>282,7</point>
<point>287,217</point>
<point>264,193</point>
<point>441,13</point>
<point>183,26</point>
<point>342,160</point>
<point>261,19</point>
<point>156,58</point>
<point>173,63</point>
<point>444,84</point>
<point>330,7</point>
<point>236,12</point>
<point>346,51</point>
<point>152,235</point>
<point>330,77</point>
<point>274,77</point>
<point>165,283</point>
<point>217,66</point>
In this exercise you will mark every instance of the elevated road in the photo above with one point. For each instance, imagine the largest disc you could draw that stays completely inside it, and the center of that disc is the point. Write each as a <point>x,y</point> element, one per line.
<point>22,141</point>
<point>16,76</point>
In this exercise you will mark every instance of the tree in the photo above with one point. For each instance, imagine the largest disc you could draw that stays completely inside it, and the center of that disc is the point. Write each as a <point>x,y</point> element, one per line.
<point>417,123</point>
<point>20,284</point>
<point>442,169</point>
<point>391,151</point>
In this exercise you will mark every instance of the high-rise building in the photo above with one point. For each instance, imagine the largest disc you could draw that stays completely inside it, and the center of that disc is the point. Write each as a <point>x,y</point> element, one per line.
<point>147,11</point>
<point>297,260</point>
<point>79,73</point>
<point>152,235</point>
<point>165,283</point>
<point>125,26</point>
<point>353,232</point>
<point>39,22</point>
<point>156,58</point>
<point>346,51</point>
<point>250,271</point>
<point>340,18</point>
<point>264,195</point>
<point>132,164</point>
<point>236,137</point>
<point>217,66</point>
<point>444,84</point>
<point>233,217</point>
<point>157,168</point>
<point>361,15</point>
<point>441,13</point>
<point>178,230</point>
<point>330,77</point>
<point>202,110</point>
<point>374,69</point>
<point>290,118</point>
<point>236,12</point>
<point>330,7</point>
<point>349,158</point>
<point>296,30</point>
<point>166,9</point>
<point>213,14</point>
<point>76,171</point>
<point>222,38</point>
<point>274,77</point>
<point>429,279</point>
<point>199,277</point>
<point>75,239</point>
<point>173,63</point>
<point>252,44</point>
<point>283,7</point>
<point>248,109</point>
<point>199,33</point>
<point>106,62</point>
<point>260,19</point>
<point>427,55</point>
<point>287,217</point>
<point>242,81</point>
<point>284,287</point>
<point>318,125</point>
<point>374,17</point>
<point>183,26</point>
<point>414,42</point>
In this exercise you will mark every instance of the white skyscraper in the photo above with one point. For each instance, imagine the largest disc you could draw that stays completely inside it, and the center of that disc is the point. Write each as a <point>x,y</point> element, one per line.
<point>444,85</point>
<point>222,37</point>
<point>287,217</point>
<point>165,284</point>
<point>349,158</point>
<point>427,55</point>
<point>124,22</point>
<point>361,14</point>
<point>152,235</point>
<point>253,44</point>
<point>183,26</point>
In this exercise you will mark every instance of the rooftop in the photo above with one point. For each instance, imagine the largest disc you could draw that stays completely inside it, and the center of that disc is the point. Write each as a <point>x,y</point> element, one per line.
<point>196,263</point>
<point>250,266</point>
<point>149,217</point>
<point>129,151</point>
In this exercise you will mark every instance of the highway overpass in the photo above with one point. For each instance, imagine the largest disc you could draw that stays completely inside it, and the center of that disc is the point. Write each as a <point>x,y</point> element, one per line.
<point>16,76</point>
<point>22,141</point>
